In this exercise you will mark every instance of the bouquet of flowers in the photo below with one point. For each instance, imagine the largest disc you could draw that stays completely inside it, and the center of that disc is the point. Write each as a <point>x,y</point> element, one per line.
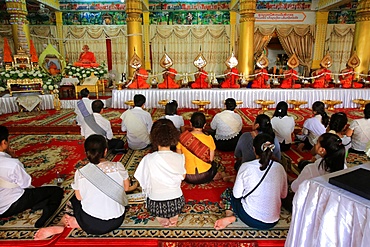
<point>81,72</point>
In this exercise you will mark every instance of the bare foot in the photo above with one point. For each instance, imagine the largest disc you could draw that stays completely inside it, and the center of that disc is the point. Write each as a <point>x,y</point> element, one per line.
<point>173,220</point>
<point>46,232</point>
<point>71,221</point>
<point>224,222</point>
<point>163,221</point>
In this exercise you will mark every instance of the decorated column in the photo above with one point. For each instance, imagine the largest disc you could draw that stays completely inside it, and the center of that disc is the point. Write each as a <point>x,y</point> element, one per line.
<point>59,26</point>
<point>134,31</point>
<point>146,31</point>
<point>246,51</point>
<point>17,10</point>
<point>321,24</point>
<point>362,36</point>
<point>233,16</point>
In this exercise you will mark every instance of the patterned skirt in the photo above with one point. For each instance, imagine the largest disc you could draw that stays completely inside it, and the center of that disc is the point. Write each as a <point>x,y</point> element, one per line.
<point>165,209</point>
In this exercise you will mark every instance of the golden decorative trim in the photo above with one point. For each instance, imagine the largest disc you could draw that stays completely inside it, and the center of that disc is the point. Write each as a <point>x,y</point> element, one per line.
<point>247,19</point>
<point>134,19</point>
<point>362,18</point>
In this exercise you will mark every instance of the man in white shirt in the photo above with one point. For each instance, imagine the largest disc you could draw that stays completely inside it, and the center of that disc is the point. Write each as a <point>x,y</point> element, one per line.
<point>16,191</point>
<point>138,123</point>
<point>95,123</point>
<point>84,103</point>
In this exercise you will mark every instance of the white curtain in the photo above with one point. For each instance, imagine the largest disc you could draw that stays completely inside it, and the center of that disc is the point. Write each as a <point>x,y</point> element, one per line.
<point>338,42</point>
<point>95,36</point>
<point>183,44</point>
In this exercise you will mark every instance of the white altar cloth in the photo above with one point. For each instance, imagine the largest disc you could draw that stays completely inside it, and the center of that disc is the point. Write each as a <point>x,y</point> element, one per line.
<point>8,103</point>
<point>247,95</point>
<point>326,215</point>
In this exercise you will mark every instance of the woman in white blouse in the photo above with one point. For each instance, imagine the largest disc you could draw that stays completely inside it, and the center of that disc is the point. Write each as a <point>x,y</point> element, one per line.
<point>283,125</point>
<point>258,189</point>
<point>93,211</point>
<point>359,131</point>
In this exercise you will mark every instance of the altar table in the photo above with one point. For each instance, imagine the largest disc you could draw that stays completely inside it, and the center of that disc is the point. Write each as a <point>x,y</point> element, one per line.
<point>217,96</point>
<point>8,103</point>
<point>326,215</point>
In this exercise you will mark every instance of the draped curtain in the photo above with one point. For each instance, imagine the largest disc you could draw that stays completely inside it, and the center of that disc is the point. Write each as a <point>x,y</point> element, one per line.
<point>296,39</point>
<point>95,37</point>
<point>183,44</point>
<point>338,41</point>
<point>42,35</point>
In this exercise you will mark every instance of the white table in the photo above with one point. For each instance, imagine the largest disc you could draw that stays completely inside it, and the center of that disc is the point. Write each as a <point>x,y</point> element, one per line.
<point>247,95</point>
<point>326,215</point>
<point>8,103</point>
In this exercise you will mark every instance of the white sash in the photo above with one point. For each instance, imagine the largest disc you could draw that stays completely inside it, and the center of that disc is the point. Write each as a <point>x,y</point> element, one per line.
<point>7,185</point>
<point>135,125</point>
<point>230,121</point>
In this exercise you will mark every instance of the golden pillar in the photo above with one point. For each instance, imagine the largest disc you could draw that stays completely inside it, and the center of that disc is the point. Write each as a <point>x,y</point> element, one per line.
<point>246,51</point>
<point>146,41</point>
<point>321,24</point>
<point>59,26</point>
<point>233,16</point>
<point>362,36</point>
<point>17,10</point>
<point>134,31</point>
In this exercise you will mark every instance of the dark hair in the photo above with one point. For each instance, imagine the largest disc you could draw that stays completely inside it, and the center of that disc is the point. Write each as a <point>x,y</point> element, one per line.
<point>171,108</point>
<point>367,111</point>
<point>95,146</point>
<point>198,120</point>
<point>335,152</point>
<point>319,108</point>
<point>164,133</point>
<point>84,92</point>
<point>97,105</point>
<point>139,100</point>
<point>338,121</point>
<point>281,109</point>
<point>230,104</point>
<point>4,133</point>
<point>264,124</point>
<point>260,142</point>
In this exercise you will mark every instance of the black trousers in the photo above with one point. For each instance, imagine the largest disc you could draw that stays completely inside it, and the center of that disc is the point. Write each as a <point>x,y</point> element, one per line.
<point>47,198</point>
<point>227,145</point>
<point>115,144</point>
<point>93,225</point>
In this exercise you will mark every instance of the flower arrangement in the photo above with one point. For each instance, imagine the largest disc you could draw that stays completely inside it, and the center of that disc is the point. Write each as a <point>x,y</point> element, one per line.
<point>82,72</point>
<point>49,82</point>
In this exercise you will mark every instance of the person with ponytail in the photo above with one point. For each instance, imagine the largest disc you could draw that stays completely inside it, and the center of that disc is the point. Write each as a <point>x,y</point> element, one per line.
<point>244,148</point>
<point>331,149</point>
<point>314,126</point>
<point>259,187</point>
<point>337,125</point>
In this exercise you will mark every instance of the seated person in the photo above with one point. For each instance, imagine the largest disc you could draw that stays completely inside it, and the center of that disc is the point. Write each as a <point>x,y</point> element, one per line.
<point>169,81</point>
<point>283,126</point>
<point>255,199</point>
<point>291,75</point>
<point>138,123</point>
<point>17,194</point>
<point>139,80</point>
<point>228,126</point>
<point>323,74</point>
<point>95,123</point>
<point>86,59</point>
<point>199,150</point>
<point>329,146</point>
<point>232,73</point>
<point>171,113</point>
<point>94,211</point>
<point>201,79</point>
<point>244,148</point>
<point>165,170</point>
<point>83,105</point>
<point>53,68</point>
<point>359,131</point>
<point>261,78</point>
